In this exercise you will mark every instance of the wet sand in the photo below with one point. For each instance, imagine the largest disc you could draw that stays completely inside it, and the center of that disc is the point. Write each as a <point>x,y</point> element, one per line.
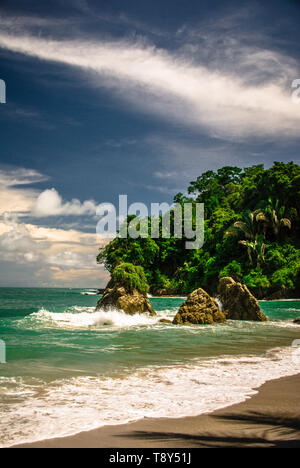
<point>269,419</point>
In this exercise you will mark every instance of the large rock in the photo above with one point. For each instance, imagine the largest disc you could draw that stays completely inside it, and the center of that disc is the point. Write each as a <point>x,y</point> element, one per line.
<point>131,302</point>
<point>199,308</point>
<point>238,302</point>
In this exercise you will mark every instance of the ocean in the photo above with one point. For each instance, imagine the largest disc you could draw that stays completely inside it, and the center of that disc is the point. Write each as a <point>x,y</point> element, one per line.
<point>71,369</point>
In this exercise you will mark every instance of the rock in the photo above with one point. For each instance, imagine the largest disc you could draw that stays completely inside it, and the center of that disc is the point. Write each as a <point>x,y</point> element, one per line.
<point>130,302</point>
<point>297,321</point>
<point>238,302</point>
<point>199,308</point>
<point>165,321</point>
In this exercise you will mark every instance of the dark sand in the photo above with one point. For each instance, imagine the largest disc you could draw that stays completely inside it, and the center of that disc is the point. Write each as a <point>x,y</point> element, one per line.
<point>269,419</point>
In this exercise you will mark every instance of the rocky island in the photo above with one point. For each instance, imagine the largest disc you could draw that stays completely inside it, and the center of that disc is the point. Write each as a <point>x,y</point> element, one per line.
<point>128,291</point>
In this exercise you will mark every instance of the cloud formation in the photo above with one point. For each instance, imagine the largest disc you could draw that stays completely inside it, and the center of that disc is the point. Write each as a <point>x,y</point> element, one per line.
<point>50,203</point>
<point>53,255</point>
<point>178,87</point>
<point>49,251</point>
<point>29,201</point>
<point>15,198</point>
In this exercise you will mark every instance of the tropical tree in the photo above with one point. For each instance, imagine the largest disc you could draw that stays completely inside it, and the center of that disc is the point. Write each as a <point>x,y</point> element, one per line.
<point>273,216</point>
<point>258,247</point>
<point>247,226</point>
<point>254,241</point>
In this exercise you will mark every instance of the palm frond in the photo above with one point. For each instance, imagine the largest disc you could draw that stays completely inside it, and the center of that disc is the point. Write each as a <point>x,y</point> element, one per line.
<point>286,223</point>
<point>243,242</point>
<point>261,217</point>
<point>242,226</point>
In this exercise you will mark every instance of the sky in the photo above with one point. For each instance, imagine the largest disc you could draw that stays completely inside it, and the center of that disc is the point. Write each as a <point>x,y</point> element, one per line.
<point>135,97</point>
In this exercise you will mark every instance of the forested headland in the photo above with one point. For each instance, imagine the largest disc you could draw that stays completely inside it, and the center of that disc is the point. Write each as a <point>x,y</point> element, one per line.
<point>252,233</point>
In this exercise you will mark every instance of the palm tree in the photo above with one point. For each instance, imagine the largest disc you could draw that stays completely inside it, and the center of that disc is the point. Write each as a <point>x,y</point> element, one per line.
<point>254,241</point>
<point>250,248</point>
<point>258,247</point>
<point>273,216</point>
<point>262,220</point>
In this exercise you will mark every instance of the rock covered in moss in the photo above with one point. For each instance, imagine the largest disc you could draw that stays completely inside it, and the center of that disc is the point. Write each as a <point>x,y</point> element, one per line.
<point>127,291</point>
<point>131,277</point>
<point>238,302</point>
<point>199,308</point>
<point>129,301</point>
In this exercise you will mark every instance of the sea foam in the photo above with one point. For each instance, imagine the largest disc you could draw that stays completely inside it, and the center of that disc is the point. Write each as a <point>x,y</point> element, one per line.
<point>86,318</point>
<point>82,403</point>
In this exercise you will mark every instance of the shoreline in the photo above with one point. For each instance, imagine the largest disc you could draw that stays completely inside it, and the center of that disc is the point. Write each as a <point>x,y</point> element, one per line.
<point>270,419</point>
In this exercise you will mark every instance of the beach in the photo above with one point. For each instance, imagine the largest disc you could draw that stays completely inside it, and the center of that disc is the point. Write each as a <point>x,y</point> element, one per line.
<point>269,419</point>
<point>71,370</point>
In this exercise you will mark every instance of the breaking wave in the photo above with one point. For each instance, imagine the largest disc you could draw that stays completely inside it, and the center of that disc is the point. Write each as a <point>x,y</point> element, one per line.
<point>84,403</point>
<point>79,317</point>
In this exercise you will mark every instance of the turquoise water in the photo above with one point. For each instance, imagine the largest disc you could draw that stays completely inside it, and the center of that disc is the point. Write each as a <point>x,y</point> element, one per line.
<point>70,368</point>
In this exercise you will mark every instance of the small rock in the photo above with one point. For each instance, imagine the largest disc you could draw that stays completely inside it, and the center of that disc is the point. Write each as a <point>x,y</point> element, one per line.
<point>199,308</point>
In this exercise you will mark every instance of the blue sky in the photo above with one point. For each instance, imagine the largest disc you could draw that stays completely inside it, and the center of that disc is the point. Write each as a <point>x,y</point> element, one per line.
<point>138,98</point>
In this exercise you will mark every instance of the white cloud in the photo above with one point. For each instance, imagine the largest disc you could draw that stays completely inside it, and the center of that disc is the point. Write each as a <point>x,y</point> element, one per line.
<point>50,203</point>
<point>48,245</point>
<point>16,242</point>
<point>80,277</point>
<point>19,176</point>
<point>51,252</point>
<point>74,260</point>
<point>177,87</point>
<point>13,198</point>
<point>52,255</point>
<point>30,201</point>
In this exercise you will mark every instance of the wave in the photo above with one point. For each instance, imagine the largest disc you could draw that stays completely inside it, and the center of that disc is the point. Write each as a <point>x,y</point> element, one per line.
<point>79,317</point>
<point>89,292</point>
<point>84,403</point>
<point>86,318</point>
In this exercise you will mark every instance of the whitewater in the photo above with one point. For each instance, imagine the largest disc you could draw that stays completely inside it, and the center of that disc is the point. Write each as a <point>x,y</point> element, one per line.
<point>72,369</point>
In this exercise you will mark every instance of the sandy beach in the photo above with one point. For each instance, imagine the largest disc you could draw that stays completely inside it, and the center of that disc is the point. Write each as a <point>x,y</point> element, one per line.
<point>269,419</point>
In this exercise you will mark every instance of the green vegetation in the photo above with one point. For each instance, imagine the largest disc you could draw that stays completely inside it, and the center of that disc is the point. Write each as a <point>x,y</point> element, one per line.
<point>252,233</point>
<point>131,277</point>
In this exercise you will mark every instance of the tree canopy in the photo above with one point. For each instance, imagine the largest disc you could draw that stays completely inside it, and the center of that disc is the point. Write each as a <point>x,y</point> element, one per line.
<point>252,233</point>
